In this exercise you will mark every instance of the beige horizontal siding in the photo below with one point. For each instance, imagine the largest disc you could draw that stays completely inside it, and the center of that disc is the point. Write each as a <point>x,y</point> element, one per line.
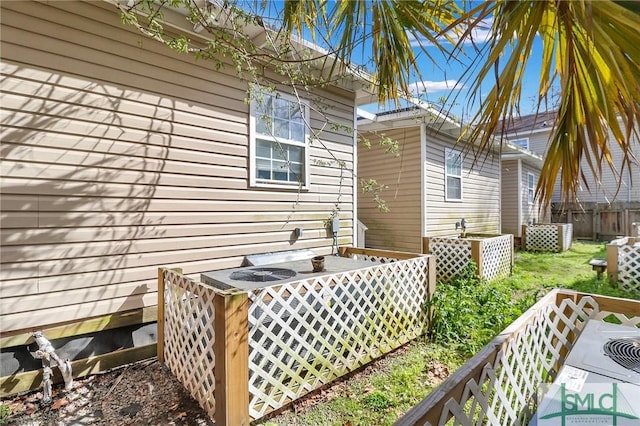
<point>120,156</point>
<point>399,228</point>
<point>531,213</point>
<point>511,189</point>
<point>611,186</point>
<point>480,204</point>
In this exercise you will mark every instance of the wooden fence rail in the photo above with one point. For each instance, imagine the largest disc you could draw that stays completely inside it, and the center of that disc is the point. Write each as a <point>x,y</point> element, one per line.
<point>599,222</point>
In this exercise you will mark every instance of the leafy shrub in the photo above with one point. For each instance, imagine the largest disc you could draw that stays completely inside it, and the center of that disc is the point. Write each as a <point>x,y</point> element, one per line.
<point>468,312</point>
<point>377,401</point>
<point>5,412</point>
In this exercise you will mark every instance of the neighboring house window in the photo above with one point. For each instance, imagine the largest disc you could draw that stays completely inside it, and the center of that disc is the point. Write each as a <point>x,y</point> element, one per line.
<point>522,142</point>
<point>453,173</point>
<point>531,187</point>
<point>279,142</point>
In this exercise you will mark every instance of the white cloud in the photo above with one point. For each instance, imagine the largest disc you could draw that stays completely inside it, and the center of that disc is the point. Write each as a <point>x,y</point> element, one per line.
<point>480,34</point>
<point>422,87</point>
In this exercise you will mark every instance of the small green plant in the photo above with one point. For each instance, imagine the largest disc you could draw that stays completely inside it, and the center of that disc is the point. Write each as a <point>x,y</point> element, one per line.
<point>377,401</point>
<point>5,412</point>
<point>468,312</point>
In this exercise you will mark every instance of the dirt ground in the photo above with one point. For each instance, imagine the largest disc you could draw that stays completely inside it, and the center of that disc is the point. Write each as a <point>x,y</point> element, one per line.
<point>147,393</point>
<point>144,393</point>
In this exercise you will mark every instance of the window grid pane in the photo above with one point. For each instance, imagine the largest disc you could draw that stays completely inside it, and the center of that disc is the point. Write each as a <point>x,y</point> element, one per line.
<point>453,172</point>
<point>280,150</point>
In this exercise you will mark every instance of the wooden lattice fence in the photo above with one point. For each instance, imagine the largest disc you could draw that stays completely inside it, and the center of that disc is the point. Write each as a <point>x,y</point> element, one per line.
<point>623,263</point>
<point>554,237</point>
<point>493,255</point>
<point>242,355</point>
<point>499,385</point>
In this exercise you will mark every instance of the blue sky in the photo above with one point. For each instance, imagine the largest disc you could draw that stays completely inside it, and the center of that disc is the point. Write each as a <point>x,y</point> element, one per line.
<point>444,79</point>
<point>447,79</point>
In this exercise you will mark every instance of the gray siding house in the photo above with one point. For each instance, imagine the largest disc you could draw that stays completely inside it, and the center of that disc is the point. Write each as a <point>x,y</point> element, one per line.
<point>534,132</point>
<point>610,204</point>
<point>120,155</point>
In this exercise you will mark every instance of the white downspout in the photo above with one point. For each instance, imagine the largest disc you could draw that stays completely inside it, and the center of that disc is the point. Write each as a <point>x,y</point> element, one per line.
<point>520,197</point>
<point>354,241</point>
<point>423,181</point>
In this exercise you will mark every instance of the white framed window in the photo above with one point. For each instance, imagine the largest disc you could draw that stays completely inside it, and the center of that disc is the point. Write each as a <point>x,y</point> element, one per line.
<point>531,187</point>
<point>521,142</point>
<point>453,175</point>
<point>278,136</point>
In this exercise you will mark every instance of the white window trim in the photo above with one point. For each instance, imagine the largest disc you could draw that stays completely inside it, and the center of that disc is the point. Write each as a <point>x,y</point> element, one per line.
<point>531,190</point>
<point>447,152</point>
<point>253,180</point>
<point>514,142</point>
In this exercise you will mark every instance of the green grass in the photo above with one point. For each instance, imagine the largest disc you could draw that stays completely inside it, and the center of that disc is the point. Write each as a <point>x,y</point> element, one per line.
<point>391,386</point>
<point>382,392</point>
<point>541,272</point>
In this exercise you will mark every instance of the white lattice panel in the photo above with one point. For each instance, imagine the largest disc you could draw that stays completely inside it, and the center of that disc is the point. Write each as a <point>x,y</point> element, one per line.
<point>629,268</point>
<point>541,238</point>
<point>497,257</point>
<point>452,255</point>
<point>504,395</point>
<point>189,336</point>
<point>507,389</point>
<point>307,333</point>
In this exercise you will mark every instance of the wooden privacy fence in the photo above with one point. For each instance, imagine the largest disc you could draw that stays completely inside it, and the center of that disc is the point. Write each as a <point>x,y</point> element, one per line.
<point>499,385</point>
<point>244,354</point>
<point>599,221</point>
<point>623,263</point>
<point>555,237</point>
<point>493,255</point>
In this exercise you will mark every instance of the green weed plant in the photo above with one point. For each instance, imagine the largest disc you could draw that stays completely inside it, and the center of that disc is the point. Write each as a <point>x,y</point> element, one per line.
<point>468,312</point>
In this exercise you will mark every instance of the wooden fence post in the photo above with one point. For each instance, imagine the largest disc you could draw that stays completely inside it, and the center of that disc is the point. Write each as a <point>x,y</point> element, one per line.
<point>232,359</point>
<point>560,231</point>
<point>476,255</point>
<point>160,325</point>
<point>425,245</point>
<point>612,262</point>
<point>523,238</point>
<point>513,254</point>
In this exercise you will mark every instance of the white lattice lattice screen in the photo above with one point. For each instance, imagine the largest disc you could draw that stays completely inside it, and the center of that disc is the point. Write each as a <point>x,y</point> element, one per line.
<point>452,255</point>
<point>189,336</point>
<point>307,333</point>
<point>542,238</point>
<point>295,336</point>
<point>629,268</point>
<point>501,382</point>
<point>497,256</point>
<point>493,254</point>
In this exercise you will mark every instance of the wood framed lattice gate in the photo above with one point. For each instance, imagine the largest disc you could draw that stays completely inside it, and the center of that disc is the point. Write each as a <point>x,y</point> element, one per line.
<point>242,354</point>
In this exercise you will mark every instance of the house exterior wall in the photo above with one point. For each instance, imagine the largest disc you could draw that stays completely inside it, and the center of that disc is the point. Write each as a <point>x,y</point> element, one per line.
<point>511,189</point>
<point>538,142</point>
<point>399,228</point>
<point>603,190</point>
<point>480,204</point>
<point>531,212</point>
<point>120,156</point>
